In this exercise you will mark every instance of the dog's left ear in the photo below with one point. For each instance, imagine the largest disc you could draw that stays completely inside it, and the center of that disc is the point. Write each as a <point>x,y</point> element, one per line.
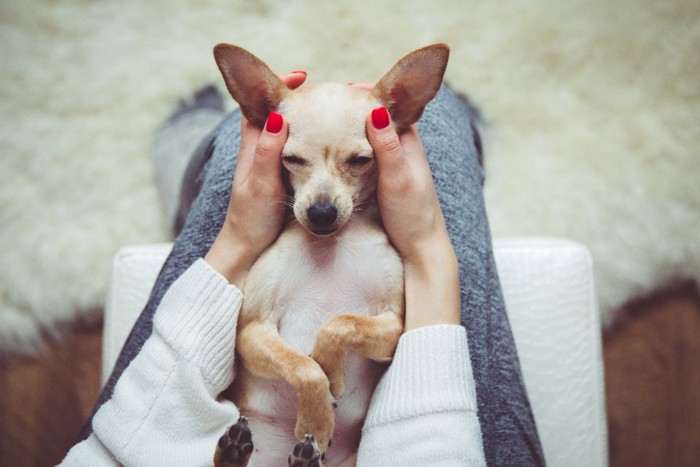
<point>413,82</point>
<point>254,86</point>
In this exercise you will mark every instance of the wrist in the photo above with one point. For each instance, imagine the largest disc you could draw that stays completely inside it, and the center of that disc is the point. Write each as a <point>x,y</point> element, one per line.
<point>230,258</point>
<point>431,278</point>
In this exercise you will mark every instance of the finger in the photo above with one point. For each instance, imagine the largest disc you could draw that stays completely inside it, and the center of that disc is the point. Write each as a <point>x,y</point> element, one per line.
<point>294,79</point>
<point>385,142</point>
<point>267,161</point>
<point>249,131</point>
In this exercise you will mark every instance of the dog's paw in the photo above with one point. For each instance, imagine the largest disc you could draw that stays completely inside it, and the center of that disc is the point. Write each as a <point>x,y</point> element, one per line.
<point>337,380</point>
<point>235,446</point>
<point>306,454</point>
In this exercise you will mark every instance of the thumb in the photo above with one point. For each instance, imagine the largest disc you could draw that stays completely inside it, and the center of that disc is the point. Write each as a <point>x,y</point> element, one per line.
<point>268,151</point>
<point>385,142</point>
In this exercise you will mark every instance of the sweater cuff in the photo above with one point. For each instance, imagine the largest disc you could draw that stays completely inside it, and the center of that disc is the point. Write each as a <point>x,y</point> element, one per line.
<point>197,318</point>
<point>431,373</point>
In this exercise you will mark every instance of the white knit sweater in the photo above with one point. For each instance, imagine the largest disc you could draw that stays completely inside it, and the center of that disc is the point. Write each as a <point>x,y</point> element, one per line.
<point>165,411</point>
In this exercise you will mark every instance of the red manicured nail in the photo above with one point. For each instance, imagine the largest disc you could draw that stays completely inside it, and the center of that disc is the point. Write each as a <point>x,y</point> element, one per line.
<point>300,71</point>
<point>274,123</point>
<point>380,118</point>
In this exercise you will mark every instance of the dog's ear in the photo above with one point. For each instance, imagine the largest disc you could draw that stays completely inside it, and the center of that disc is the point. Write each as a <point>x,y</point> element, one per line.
<point>413,82</point>
<point>251,83</point>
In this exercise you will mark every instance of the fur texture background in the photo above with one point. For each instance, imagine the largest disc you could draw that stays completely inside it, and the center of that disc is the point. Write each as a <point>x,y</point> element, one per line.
<point>592,109</point>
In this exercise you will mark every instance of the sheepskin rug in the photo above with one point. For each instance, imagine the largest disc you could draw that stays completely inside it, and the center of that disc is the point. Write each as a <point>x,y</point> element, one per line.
<point>592,111</point>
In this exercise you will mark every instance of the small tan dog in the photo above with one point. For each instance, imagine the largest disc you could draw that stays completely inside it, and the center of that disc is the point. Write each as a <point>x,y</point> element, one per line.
<point>332,282</point>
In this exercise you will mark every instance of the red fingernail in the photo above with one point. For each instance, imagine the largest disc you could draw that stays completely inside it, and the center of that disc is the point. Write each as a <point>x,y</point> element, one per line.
<point>300,71</point>
<point>274,123</point>
<point>380,118</point>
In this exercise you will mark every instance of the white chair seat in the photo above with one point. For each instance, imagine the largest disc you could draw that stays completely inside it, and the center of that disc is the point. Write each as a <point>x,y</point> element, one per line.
<point>549,293</point>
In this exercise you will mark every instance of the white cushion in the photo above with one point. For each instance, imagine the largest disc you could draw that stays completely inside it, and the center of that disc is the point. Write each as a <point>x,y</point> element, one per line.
<point>134,272</point>
<point>549,294</point>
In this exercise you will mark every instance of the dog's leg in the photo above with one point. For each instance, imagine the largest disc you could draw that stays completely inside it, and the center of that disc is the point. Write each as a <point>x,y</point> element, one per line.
<point>263,352</point>
<point>375,337</point>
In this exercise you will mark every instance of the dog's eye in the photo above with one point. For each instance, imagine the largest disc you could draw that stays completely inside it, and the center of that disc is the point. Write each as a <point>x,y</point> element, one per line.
<point>359,161</point>
<point>294,160</point>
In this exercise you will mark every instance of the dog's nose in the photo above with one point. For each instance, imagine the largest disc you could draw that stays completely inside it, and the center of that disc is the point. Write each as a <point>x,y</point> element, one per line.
<point>322,215</point>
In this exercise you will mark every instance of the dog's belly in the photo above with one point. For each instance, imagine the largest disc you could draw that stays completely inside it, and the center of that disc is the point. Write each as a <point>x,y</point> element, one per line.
<point>272,411</point>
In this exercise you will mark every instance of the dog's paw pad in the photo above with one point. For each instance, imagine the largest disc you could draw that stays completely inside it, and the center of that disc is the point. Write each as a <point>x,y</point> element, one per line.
<point>306,454</point>
<point>236,445</point>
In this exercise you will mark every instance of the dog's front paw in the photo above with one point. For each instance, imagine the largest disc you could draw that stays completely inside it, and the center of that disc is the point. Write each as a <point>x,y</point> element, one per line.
<point>235,446</point>
<point>316,415</point>
<point>306,454</point>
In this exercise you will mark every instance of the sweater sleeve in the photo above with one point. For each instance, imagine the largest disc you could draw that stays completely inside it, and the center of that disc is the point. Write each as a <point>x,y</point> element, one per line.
<point>423,411</point>
<point>164,410</point>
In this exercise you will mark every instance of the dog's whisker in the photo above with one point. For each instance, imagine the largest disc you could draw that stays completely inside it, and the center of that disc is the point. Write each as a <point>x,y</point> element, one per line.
<point>286,203</point>
<point>357,207</point>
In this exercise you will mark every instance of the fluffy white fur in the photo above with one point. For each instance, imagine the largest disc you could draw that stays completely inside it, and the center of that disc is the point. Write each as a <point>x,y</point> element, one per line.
<point>593,110</point>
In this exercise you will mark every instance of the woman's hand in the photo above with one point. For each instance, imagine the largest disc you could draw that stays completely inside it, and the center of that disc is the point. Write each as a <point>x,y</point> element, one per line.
<point>413,219</point>
<point>256,210</point>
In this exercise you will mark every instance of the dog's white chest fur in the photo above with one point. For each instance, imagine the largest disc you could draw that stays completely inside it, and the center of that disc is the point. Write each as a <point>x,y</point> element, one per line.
<point>302,281</point>
<point>326,277</point>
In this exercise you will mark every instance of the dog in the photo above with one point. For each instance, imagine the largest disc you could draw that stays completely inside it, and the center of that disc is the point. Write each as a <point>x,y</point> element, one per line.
<point>323,305</point>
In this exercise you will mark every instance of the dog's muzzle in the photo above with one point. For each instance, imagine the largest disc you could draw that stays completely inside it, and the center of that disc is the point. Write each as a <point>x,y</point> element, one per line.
<point>322,217</point>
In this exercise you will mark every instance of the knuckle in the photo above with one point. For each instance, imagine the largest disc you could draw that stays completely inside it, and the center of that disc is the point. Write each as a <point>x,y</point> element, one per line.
<point>390,144</point>
<point>265,147</point>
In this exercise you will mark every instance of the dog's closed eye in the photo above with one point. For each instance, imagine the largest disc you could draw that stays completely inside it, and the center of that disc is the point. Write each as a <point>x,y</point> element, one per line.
<point>295,160</point>
<point>359,161</point>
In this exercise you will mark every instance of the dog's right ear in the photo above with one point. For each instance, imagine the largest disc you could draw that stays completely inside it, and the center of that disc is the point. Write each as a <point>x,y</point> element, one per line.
<point>251,83</point>
<point>413,82</point>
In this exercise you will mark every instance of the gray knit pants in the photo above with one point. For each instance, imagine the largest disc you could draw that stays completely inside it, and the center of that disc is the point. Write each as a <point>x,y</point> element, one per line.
<point>448,132</point>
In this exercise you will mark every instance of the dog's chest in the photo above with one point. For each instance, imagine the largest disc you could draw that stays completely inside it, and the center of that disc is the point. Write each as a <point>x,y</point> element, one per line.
<point>317,280</point>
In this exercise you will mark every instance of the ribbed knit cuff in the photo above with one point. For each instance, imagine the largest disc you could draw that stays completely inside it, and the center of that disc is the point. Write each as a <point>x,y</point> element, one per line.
<point>197,318</point>
<point>431,373</point>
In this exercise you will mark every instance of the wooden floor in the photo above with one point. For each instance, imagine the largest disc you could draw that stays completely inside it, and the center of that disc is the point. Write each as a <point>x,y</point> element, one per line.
<point>45,401</point>
<point>652,383</point>
<point>652,373</point>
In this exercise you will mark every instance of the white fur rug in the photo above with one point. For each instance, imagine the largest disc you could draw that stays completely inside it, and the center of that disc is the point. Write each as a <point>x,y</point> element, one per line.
<point>593,108</point>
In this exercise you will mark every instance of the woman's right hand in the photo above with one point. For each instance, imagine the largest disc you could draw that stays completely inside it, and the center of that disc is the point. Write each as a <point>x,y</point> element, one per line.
<point>415,224</point>
<point>256,209</point>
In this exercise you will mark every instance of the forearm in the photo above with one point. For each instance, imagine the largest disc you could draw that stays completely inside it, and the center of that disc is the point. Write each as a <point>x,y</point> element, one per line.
<point>423,411</point>
<point>161,413</point>
<point>164,405</point>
